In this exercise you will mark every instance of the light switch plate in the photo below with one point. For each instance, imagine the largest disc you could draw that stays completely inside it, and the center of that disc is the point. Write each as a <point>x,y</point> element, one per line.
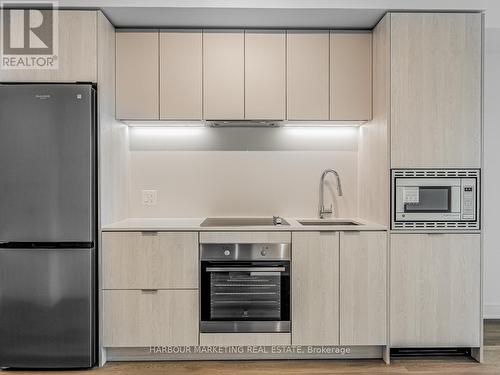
<point>149,197</point>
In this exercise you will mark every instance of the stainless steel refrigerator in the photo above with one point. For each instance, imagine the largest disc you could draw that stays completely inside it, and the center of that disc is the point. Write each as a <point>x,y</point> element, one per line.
<point>47,225</point>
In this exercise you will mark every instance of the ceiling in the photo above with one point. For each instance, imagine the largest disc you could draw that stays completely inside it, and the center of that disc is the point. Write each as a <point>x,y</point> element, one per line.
<point>334,14</point>
<point>237,17</point>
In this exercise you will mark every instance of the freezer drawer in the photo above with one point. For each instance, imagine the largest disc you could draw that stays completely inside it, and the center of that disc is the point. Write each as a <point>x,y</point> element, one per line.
<point>47,308</point>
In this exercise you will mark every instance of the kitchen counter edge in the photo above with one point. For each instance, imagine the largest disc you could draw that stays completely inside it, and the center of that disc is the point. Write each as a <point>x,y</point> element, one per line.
<point>194,224</point>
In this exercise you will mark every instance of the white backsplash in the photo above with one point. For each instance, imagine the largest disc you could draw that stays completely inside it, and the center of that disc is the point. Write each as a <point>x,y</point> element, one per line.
<point>219,183</point>
<point>199,172</point>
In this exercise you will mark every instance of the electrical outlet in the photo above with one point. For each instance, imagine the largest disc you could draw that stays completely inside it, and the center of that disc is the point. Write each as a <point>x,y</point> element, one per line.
<point>149,197</point>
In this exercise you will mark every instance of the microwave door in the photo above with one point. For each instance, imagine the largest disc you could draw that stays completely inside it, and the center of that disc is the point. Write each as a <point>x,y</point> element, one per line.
<point>427,203</point>
<point>430,199</point>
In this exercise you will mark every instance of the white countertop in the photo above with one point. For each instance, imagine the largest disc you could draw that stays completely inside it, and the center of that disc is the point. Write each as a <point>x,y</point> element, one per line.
<point>193,224</point>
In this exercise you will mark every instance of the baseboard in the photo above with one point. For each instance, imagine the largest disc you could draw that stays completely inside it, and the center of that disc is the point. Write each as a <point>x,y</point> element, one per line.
<point>283,352</point>
<point>491,311</point>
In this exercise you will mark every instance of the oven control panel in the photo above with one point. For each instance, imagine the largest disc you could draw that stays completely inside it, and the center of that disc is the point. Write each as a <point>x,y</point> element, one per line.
<point>245,251</point>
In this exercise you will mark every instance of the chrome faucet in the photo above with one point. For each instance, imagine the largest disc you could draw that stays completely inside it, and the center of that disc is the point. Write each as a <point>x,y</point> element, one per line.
<point>322,209</point>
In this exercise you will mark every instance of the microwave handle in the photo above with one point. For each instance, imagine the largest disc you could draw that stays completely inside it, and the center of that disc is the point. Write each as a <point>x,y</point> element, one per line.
<point>245,269</point>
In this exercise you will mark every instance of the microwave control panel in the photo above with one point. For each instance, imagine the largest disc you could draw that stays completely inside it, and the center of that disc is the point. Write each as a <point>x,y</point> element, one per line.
<point>468,199</point>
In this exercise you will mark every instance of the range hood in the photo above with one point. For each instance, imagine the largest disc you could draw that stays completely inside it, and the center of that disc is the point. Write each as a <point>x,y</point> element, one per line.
<point>244,123</point>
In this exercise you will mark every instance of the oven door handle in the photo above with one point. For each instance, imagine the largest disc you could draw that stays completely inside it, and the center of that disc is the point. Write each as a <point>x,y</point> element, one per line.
<point>246,269</point>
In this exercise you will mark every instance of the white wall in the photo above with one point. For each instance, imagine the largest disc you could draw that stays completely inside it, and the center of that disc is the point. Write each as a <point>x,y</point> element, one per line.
<point>244,174</point>
<point>491,199</point>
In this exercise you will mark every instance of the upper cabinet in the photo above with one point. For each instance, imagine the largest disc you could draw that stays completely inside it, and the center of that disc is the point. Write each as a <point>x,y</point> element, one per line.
<point>77,52</point>
<point>159,75</point>
<point>223,74</point>
<point>243,74</point>
<point>308,75</point>
<point>137,75</point>
<point>265,74</point>
<point>350,76</point>
<point>436,90</point>
<point>329,75</point>
<point>181,75</point>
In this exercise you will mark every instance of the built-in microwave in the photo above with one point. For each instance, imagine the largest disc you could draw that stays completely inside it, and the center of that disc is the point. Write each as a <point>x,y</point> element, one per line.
<point>435,199</point>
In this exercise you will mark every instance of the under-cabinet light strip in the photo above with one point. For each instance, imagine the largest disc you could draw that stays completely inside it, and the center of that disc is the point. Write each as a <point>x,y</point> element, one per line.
<point>285,124</point>
<point>165,124</point>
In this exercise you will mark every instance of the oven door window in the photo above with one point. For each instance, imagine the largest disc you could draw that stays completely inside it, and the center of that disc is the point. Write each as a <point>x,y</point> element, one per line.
<point>431,199</point>
<point>246,292</point>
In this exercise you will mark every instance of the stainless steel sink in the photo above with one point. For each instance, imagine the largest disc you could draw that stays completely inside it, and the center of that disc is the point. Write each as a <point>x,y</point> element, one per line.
<point>240,222</point>
<point>327,222</point>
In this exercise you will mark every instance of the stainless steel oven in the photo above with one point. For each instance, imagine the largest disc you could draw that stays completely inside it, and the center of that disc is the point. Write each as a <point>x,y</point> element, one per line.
<point>435,199</point>
<point>245,287</point>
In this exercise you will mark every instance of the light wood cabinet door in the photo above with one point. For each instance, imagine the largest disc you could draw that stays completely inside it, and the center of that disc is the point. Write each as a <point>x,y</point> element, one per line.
<point>137,76</point>
<point>436,90</point>
<point>363,288</point>
<point>135,260</point>
<point>223,74</point>
<point>265,74</point>
<point>435,290</point>
<point>77,52</point>
<point>308,75</point>
<point>350,76</point>
<point>140,318</point>
<point>315,288</point>
<point>181,74</point>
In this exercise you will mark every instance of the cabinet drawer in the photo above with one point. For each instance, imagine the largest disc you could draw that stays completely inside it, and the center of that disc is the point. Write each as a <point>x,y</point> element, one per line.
<point>136,318</point>
<point>137,260</point>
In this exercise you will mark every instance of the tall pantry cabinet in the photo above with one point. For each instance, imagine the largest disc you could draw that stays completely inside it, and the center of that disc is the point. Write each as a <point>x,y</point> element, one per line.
<point>435,119</point>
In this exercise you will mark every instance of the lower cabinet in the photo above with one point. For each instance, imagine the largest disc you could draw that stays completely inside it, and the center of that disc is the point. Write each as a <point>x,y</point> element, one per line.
<point>150,282</point>
<point>139,318</point>
<point>339,288</point>
<point>315,288</point>
<point>435,290</point>
<point>142,260</point>
<point>363,288</point>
